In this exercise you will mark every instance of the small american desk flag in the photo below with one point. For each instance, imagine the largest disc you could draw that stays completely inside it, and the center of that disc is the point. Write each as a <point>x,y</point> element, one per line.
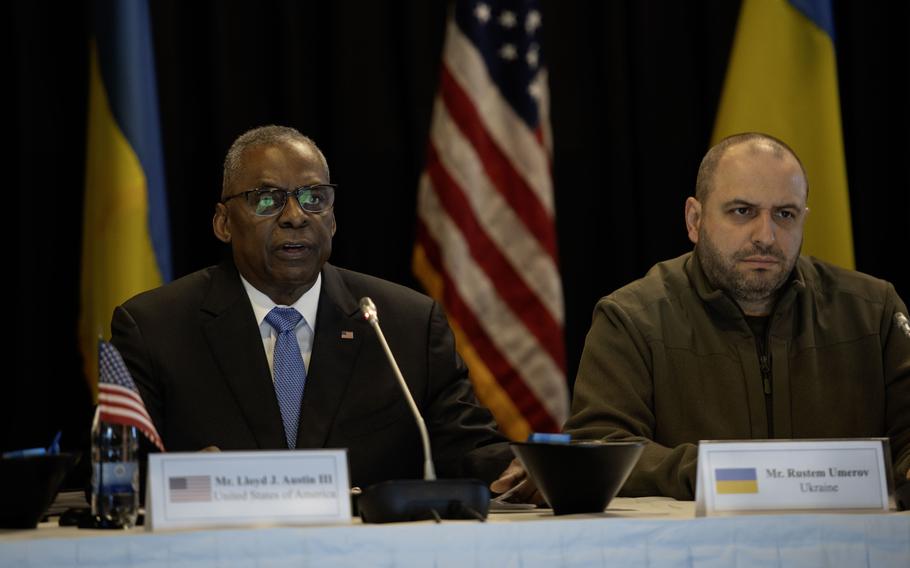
<point>118,398</point>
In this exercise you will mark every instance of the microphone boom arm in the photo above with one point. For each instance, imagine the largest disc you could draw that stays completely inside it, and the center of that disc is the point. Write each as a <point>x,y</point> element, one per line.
<point>368,309</point>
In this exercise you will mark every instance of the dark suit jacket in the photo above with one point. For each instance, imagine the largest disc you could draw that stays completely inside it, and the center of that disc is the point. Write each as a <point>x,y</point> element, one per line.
<point>195,352</point>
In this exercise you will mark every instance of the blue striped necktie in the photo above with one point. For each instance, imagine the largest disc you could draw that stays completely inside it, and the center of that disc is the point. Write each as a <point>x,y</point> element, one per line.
<point>289,370</point>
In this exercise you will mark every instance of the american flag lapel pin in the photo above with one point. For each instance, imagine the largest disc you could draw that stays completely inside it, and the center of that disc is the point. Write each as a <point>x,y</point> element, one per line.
<point>347,334</point>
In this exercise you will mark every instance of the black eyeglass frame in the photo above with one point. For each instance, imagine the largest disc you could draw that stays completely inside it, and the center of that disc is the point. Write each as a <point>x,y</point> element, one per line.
<point>287,193</point>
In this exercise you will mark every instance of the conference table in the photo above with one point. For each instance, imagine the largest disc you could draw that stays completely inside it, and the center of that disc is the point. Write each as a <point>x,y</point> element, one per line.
<point>653,532</point>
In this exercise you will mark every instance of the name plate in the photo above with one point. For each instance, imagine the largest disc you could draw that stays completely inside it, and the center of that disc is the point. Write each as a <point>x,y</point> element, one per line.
<point>202,489</point>
<point>796,475</point>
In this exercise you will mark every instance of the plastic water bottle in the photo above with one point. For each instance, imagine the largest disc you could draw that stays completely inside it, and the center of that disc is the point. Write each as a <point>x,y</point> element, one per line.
<point>115,474</point>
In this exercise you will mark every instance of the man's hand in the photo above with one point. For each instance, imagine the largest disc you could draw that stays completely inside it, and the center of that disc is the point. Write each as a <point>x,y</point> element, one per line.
<point>516,486</point>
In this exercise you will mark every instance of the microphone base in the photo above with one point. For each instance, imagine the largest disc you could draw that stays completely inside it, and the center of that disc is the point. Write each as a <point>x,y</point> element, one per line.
<point>417,500</point>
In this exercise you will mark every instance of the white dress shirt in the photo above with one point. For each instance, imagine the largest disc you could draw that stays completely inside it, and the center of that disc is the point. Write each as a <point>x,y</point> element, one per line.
<point>307,306</point>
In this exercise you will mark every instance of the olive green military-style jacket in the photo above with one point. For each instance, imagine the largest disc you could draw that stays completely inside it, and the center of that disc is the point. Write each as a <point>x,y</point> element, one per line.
<point>672,360</point>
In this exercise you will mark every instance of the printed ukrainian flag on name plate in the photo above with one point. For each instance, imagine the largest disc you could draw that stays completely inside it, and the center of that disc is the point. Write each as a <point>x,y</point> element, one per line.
<point>732,480</point>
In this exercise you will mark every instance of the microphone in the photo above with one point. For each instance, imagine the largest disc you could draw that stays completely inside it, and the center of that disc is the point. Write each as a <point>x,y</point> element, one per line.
<point>368,309</point>
<point>412,499</point>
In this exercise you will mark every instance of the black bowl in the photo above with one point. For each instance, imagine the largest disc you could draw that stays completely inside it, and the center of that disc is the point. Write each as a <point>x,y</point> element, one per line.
<point>579,477</point>
<point>29,485</point>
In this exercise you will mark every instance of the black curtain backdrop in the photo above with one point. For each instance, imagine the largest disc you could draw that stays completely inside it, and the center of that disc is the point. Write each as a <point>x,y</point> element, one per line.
<point>634,87</point>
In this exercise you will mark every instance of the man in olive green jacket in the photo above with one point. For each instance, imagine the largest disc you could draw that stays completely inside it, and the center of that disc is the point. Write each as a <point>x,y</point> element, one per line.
<point>743,338</point>
<point>672,359</point>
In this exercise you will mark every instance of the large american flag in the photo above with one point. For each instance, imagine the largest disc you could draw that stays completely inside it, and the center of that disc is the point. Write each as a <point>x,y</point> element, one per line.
<point>119,401</point>
<point>486,239</point>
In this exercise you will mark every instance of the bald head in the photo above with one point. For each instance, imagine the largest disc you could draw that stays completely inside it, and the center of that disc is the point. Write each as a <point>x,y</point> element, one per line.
<point>751,142</point>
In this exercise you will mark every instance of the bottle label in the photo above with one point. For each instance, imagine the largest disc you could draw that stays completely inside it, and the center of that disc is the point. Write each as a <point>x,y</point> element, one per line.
<point>117,477</point>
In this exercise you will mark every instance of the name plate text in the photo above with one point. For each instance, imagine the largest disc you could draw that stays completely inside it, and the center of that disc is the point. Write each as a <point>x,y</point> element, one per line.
<point>793,475</point>
<point>204,489</point>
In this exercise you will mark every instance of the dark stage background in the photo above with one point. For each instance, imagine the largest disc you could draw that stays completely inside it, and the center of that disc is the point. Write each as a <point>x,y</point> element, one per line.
<point>634,87</point>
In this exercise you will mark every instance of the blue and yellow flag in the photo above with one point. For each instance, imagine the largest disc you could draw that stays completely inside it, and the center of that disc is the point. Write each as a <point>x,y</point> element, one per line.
<point>736,480</point>
<point>125,240</point>
<point>782,80</point>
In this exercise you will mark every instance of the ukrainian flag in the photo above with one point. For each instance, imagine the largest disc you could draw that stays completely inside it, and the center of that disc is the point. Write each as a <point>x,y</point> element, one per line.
<point>732,480</point>
<point>782,80</point>
<point>125,240</point>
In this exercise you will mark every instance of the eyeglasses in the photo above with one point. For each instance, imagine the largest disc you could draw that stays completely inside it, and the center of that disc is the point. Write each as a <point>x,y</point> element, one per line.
<point>268,201</point>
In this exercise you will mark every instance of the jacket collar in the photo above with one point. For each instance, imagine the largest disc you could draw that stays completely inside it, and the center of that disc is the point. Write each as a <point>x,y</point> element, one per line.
<point>236,345</point>
<point>339,332</point>
<point>230,328</point>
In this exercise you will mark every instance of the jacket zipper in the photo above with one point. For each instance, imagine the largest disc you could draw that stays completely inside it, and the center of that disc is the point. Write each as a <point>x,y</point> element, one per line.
<point>765,373</point>
<point>762,349</point>
<point>764,361</point>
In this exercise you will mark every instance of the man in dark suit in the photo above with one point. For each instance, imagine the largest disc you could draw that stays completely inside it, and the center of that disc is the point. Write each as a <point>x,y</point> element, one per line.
<point>269,350</point>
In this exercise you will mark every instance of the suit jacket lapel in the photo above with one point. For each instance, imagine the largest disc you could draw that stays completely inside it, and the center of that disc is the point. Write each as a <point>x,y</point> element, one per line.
<point>337,339</point>
<point>237,348</point>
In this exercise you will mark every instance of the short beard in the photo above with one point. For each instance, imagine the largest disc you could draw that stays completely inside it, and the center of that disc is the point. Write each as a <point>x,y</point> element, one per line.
<point>742,287</point>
